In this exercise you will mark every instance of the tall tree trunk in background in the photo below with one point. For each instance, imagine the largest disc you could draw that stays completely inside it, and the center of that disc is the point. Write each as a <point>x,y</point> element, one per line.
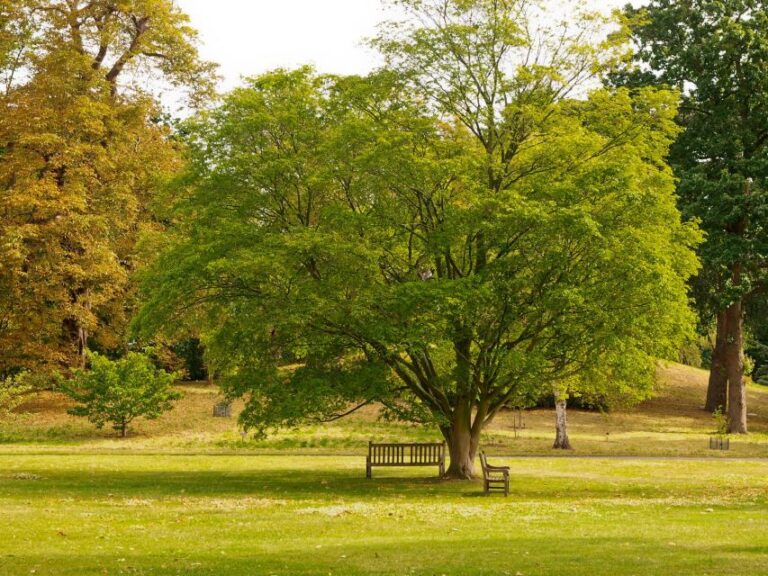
<point>82,346</point>
<point>734,338</point>
<point>561,423</point>
<point>83,335</point>
<point>77,337</point>
<point>734,361</point>
<point>717,391</point>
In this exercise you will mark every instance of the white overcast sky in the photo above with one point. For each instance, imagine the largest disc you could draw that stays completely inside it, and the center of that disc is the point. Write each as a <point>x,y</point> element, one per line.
<point>247,37</point>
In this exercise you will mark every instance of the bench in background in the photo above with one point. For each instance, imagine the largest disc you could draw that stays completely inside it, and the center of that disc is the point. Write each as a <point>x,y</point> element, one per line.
<point>431,454</point>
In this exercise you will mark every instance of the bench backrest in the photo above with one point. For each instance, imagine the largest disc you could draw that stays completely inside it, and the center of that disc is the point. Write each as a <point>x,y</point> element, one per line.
<point>484,464</point>
<point>406,454</point>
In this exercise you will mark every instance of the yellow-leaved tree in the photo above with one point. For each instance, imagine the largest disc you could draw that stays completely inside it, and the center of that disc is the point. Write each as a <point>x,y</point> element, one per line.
<point>82,144</point>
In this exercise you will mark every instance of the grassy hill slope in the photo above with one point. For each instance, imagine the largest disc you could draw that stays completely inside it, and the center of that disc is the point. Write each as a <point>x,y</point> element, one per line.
<point>671,424</point>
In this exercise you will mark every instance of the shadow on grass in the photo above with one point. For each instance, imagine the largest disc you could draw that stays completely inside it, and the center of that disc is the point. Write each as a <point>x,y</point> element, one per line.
<point>278,483</point>
<point>322,483</point>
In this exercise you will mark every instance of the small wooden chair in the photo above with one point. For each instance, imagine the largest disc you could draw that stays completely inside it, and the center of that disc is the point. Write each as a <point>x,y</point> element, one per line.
<point>494,477</point>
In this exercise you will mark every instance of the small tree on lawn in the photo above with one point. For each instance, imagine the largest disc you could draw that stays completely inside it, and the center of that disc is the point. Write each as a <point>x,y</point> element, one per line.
<point>119,391</point>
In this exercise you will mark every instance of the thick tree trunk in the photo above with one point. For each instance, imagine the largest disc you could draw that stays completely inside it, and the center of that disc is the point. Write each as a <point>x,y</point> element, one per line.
<point>462,449</point>
<point>561,424</point>
<point>462,437</point>
<point>734,362</point>
<point>717,391</point>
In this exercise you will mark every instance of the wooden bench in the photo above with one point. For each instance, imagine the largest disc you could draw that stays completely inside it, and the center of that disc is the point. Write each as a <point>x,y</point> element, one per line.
<point>432,454</point>
<point>494,477</point>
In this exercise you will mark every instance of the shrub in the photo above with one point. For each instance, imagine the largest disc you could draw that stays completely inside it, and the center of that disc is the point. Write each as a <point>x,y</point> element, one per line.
<point>721,422</point>
<point>760,375</point>
<point>12,392</point>
<point>119,391</point>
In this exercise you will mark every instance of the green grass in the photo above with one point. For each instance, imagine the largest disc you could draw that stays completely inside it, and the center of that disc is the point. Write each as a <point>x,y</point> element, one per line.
<point>73,514</point>
<point>186,495</point>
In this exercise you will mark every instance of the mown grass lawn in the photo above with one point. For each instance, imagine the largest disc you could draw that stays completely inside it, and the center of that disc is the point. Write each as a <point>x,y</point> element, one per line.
<point>160,514</point>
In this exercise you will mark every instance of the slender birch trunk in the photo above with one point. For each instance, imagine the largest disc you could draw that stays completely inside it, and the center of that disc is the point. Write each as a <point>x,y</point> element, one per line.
<point>562,442</point>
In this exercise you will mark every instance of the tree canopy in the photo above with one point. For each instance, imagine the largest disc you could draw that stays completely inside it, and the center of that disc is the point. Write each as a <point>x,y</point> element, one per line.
<point>446,245</point>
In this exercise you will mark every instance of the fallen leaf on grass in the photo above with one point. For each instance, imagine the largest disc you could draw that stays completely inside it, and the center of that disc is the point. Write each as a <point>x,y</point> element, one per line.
<point>26,476</point>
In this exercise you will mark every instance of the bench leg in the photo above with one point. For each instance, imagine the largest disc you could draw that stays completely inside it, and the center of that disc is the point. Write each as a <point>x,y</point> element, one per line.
<point>368,470</point>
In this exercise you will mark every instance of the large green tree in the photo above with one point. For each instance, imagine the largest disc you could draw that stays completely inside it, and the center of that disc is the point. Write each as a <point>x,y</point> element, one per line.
<point>443,263</point>
<point>716,51</point>
<point>80,148</point>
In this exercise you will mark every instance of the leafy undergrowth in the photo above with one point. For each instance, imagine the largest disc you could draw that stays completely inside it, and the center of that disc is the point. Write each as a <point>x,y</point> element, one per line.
<point>160,515</point>
<point>672,424</point>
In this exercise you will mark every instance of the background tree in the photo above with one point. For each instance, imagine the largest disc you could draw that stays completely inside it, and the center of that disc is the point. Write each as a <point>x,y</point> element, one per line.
<point>716,51</point>
<point>81,146</point>
<point>118,392</point>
